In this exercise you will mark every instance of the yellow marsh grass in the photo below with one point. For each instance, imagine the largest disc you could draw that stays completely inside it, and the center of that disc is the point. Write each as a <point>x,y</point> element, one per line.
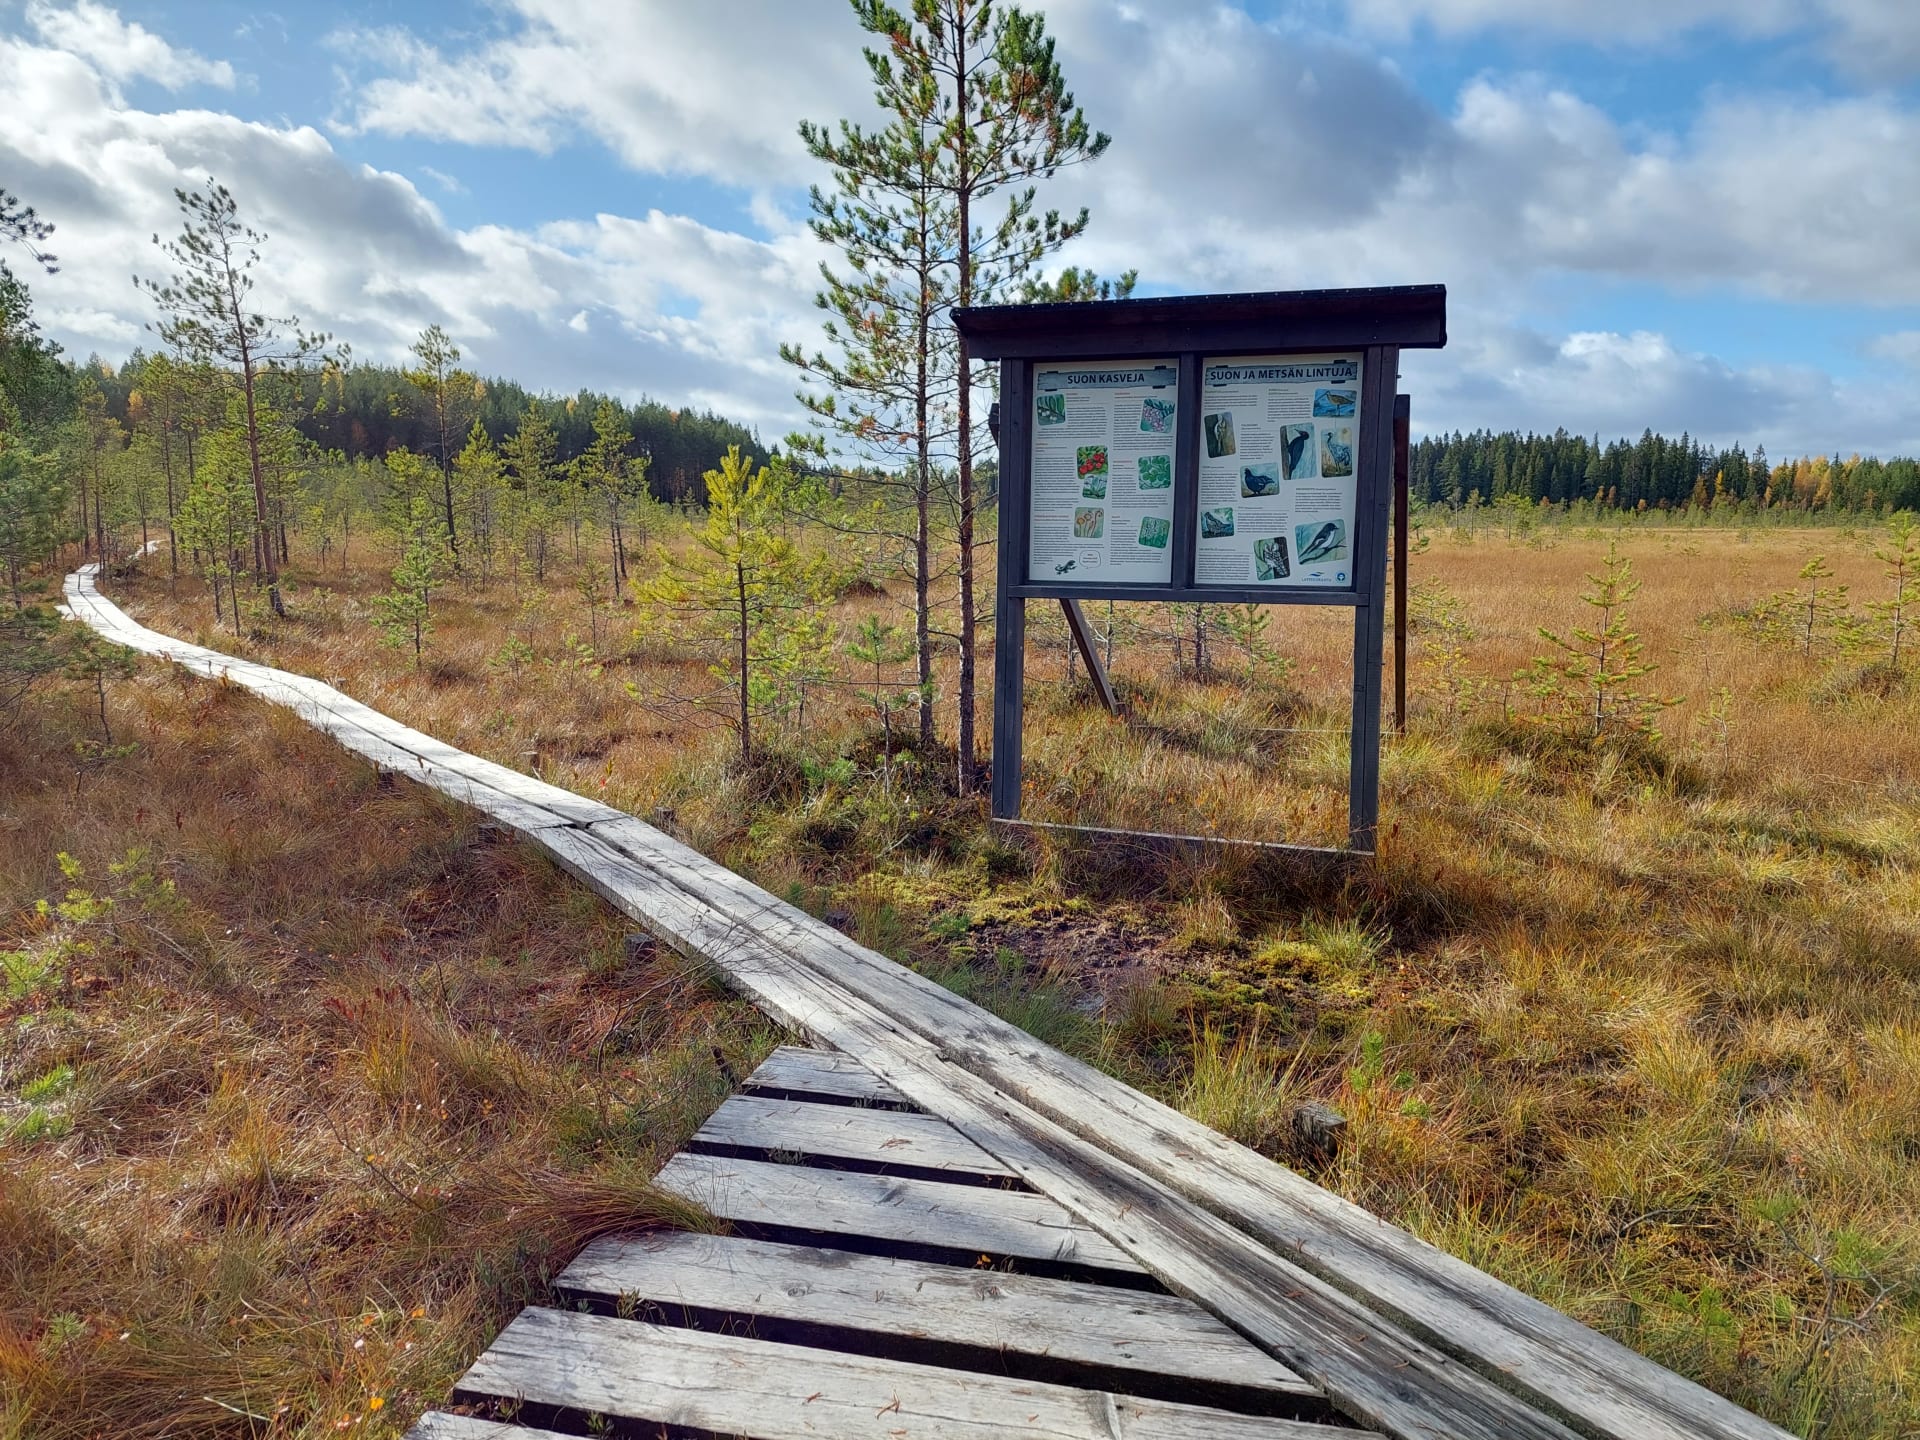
<point>1637,1034</point>
<point>282,1148</point>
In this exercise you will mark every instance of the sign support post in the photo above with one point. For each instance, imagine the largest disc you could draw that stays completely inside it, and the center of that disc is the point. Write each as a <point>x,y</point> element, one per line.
<point>1402,413</point>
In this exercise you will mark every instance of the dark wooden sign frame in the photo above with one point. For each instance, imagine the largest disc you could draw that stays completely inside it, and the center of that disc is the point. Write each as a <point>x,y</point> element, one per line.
<point>1378,323</point>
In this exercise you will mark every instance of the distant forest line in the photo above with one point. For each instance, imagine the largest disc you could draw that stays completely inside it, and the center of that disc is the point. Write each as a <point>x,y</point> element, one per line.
<point>363,412</point>
<point>368,411</point>
<point>1652,473</point>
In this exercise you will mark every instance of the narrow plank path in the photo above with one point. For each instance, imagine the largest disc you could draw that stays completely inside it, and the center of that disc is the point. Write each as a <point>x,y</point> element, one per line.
<point>857,1303</point>
<point>1395,1334</point>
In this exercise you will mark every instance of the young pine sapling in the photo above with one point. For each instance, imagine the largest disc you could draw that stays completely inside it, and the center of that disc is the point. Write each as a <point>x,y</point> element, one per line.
<point>1589,679</point>
<point>878,643</point>
<point>404,615</point>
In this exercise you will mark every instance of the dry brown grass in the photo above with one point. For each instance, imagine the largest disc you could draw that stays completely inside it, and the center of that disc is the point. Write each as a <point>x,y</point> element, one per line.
<point>333,1084</point>
<point>1636,1029</point>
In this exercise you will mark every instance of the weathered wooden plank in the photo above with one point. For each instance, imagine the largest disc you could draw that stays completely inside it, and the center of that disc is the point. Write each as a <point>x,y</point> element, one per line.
<point>1028,1326</point>
<point>795,1073</point>
<point>1368,1367</point>
<point>515,799</point>
<point>1523,1343</point>
<point>892,1142</point>
<point>439,1425</point>
<point>916,1218</point>
<point>554,1363</point>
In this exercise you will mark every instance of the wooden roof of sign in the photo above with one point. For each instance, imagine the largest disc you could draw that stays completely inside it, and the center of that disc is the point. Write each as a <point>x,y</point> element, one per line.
<point>1413,317</point>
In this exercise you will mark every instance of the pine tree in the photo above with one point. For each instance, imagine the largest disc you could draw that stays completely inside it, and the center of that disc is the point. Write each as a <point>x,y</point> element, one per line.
<point>745,590</point>
<point>89,658</point>
<point>1901,555</point>
<point>887,371</point>
<point>404,615</point>
<point>1009,120</point>
<point>1074,284</point>
<point>162,392</point>
<point>446,396</point>
<point>205,305</point>
<point>1821,606</point>
<point>618,478</point>
<point>217,516</point>
<point>530,452</point>
<point>878,643</point>
<point>479,482</point>
<point>979,106</point>
<point>33,500</point>
<point>1588,681</point>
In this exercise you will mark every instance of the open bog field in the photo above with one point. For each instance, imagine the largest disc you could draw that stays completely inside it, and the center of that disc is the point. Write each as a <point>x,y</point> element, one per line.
<point>306,1084</point>
<point>1633,1025</point>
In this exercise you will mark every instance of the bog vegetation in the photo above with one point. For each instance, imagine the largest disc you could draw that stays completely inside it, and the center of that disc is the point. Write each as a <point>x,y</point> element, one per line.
<point>304,1084</point>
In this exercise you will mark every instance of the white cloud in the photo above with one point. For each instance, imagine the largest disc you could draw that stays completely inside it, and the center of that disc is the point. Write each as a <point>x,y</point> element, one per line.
<point>1632,21</point>
<point>1902,347</point>
<point>678,309</point>
<point>676,88</point>
<point>122,50</point>
<point>1795,198</point>
<point>446,182</point>
<point>1879,39</point>
<point>1517,186</point>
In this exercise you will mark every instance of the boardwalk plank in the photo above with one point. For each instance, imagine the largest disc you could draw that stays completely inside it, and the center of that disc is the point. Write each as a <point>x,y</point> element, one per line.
<point>1023,1325</point>
<point>754,1127</point>
<point>439,1425</point>
<point>1522,1342</point>
<point>1368,1367</point>
<point>795,1073</point>
<point>550,1361</point>
<point>962,1222</point>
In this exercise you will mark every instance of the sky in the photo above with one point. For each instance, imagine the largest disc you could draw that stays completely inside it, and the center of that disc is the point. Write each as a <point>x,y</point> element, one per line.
<point>1689,215</point>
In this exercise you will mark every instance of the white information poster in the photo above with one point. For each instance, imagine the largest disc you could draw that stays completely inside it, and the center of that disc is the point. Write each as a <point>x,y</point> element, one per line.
<point>1102,477</point>
<point>1279,442</point>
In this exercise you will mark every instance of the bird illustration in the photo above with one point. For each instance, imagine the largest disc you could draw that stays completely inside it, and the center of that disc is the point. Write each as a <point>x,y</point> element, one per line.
<point>1297,449</point>
<point>1324,542</point>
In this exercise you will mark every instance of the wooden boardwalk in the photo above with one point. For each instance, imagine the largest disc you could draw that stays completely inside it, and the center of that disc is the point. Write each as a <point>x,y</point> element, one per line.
<point>1237,1297</point>
<point>881,1275</point>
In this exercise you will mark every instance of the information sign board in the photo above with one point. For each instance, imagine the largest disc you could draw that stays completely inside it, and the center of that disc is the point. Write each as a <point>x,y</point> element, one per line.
<point>1198,450</point>
<point>1102,472</point>
<point>1279,440</point>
